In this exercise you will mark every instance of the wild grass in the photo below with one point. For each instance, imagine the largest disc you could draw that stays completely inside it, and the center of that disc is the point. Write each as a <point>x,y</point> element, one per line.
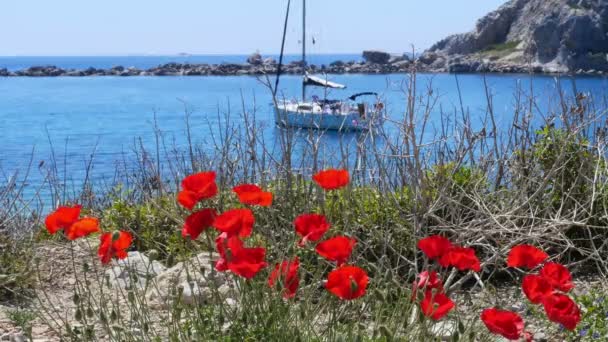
<point>501,49</point>
<point>542,181</point>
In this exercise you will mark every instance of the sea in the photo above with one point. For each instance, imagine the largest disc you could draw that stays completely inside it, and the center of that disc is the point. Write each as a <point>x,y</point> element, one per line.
<point>71,119</point>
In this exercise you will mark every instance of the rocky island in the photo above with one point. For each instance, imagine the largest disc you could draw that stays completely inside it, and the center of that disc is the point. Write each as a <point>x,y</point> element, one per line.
<point>522,36</point>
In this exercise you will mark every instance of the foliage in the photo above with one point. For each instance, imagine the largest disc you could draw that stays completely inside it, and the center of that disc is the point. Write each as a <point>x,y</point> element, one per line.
<point>502,48</point>
<point>156,223</point>
<point>16,278</point>
<point>23,318</point>
<point>594,305</point>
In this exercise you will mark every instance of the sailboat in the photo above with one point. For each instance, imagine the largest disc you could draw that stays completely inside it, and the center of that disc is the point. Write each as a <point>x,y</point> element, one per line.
<point>346,114</point>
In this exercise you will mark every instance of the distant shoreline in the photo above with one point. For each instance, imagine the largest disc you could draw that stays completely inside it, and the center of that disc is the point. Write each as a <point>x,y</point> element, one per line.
<point>375,62</point>
<point>185,69</point>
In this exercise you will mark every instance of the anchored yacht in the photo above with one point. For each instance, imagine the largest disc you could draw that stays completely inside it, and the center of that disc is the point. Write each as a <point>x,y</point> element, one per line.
<point>347,114</point>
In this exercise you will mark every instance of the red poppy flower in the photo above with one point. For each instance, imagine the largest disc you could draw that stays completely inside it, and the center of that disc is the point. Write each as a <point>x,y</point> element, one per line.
<point>563,310</point>
<point>331,179</point>
<point>461,258</point>
<point>336,249</point>
<point>235,222</point>
<point>505,323</point>
<point>251,194</point>
<point>287,274</point>
<point>426,281</point>
<point>536,288</point>
<point>221,243</point>
<point>434,246</point>
<point>62,218</point>
<point>114,245</point>
<point>196,188</point>
<point>436,305</point>
<point>311,227</point>
<point>245,262</point>
<point>347,282</point>
<point>526,256</point>
<point>197,222</point>
<point>558,276</point>
<point>82,228</point>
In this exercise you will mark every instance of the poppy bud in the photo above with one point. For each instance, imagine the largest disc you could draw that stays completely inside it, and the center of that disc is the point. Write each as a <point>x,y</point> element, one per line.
<point>78,315</point>
<point>90,312</point>
<point>76,298</point>
<point>353,285</point>
<point>115,235</point>
<point>113,316</point>
<point>153,255</point>
<point>85,267</point>
<point>170,260</point>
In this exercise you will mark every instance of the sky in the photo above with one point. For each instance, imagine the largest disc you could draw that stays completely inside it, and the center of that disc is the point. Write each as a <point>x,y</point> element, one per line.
<point>163,27</point>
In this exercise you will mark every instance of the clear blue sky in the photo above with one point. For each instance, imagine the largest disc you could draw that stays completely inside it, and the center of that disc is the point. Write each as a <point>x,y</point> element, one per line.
<point>120,27</point>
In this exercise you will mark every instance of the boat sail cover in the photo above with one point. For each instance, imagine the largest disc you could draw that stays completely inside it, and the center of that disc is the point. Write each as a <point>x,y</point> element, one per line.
<point>320,82</point>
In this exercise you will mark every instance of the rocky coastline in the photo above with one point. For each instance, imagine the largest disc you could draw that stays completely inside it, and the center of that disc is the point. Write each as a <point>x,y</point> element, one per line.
<point>375,62</point>
<point>541,36</point>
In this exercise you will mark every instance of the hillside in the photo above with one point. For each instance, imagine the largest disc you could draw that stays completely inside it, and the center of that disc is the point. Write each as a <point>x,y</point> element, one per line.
<point>523,35</point>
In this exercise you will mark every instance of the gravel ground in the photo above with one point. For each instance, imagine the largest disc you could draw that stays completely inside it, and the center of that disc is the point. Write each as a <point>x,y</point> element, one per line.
<point>57,283</point>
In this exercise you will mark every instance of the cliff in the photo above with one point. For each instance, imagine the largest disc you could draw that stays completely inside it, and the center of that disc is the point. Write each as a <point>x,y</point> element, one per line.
<point>529,35</point>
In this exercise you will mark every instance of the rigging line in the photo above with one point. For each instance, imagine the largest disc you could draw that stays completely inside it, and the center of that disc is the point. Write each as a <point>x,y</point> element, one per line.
<point>276,85</point>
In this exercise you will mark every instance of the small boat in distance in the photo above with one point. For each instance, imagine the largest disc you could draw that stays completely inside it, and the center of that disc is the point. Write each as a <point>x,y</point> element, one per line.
<point>325,114</point>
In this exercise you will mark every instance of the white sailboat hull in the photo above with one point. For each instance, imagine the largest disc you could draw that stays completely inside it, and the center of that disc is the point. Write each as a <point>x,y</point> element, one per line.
<point>288,115</point>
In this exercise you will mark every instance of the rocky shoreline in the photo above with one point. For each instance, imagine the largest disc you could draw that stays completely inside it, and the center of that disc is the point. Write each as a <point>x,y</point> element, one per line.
<point>548,36</point>
<point>375,62</point>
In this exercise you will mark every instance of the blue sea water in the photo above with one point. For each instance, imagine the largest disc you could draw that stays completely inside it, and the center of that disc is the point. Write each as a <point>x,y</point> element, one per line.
<point>108,115</point>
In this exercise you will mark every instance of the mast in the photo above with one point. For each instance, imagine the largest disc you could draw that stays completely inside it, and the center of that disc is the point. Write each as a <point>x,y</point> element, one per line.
<point>303,50</point>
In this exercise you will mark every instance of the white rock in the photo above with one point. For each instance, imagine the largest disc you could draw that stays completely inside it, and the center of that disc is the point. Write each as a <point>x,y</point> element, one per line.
<point>444,329</point>
<point>135,265</point>
<point>196,280</point>
<point>18,337</point>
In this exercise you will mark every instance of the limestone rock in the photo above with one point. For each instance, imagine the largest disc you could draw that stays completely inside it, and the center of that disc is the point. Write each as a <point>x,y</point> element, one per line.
<point>376,57</point>
<point>558,35</point>
<point>270,61</point>
<point>255,59</point>
<point>136,271</point>
<point>444,330</point>
<point>194,281</point>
